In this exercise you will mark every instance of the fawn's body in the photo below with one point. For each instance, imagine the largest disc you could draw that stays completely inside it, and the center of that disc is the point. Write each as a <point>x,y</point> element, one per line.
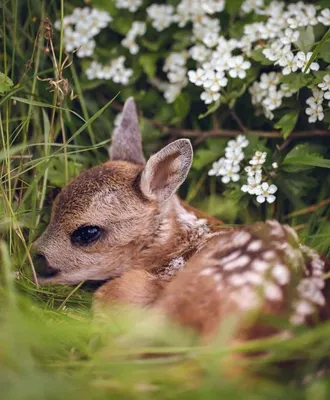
<point>122,222</point>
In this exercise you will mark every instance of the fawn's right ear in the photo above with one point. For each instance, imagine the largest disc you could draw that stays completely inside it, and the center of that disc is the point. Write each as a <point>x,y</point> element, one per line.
<point>126,139</point>
<point>166,170</point>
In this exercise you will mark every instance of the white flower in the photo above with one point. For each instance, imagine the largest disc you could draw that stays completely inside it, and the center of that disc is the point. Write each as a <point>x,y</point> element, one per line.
<point>209,97</point>
<point>325,84</point>
<point>213,6</point>
<point>230,173</point>
<point>242,141</point>
<point>317,97</point>
<point>131,45</point>
<point>324,18</point>
<point>72,40</point>
<point>303,60</point>
<point>252,5</point>
<point>259,158</point>
<point>287,91</point>
<point>217,167</point>
<point>290,36</point>
<point>161,16</point>
<point>238,67</point>
<point>172,91</point>
<point>131,5</point>
<point>255,169</point>
<point>275,165</point>
<point>210,39</point>
<point>315,111</point>
<point>87,49</point>
<point>253,184</point>
<point>269,80</point>
<point>290,63</point>
<point>197,77</point>
<point>214,80</point>
<point>265,192</point>
<point>257,93</point>
<point>199,53</point>
<point>274,100</point>
<point>235,156</point>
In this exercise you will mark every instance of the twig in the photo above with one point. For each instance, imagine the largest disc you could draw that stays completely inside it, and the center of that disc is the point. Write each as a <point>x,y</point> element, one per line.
<point>308,210</point>
<point>202,135</point>
<point>238,121</point>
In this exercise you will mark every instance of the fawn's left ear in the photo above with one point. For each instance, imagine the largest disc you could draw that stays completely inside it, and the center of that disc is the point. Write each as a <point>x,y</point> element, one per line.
<point>166,170</point>
<point>126,140</point>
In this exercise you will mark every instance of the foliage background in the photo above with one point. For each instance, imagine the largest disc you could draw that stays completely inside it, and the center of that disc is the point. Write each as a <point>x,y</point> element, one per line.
<point>49,347</point>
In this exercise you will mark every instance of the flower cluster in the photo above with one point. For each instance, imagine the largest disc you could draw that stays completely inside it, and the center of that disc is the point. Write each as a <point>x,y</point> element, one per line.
<point>315,106</point>
<point>228,167</point>
<point>81,27</point>
<point>130,5</point>
<point>216,61</point>
<point>255,186</point>
<point>115,71</point>
<point>138,29</point>
<point>175,68</point>
<point>268,93</point>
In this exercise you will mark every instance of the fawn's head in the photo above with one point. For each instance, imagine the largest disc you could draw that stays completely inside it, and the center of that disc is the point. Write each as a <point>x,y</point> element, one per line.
<point>104,217</point>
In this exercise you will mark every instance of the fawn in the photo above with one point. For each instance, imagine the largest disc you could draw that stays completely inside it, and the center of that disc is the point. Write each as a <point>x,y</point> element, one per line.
<point>122,223</point>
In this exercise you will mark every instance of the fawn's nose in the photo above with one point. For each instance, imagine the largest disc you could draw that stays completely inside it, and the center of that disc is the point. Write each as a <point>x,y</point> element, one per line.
<point>42,267</point>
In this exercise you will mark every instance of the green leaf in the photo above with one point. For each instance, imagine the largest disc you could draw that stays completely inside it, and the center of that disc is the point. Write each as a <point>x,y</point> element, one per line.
<point>306,39</point>
<point>210,109</point>
<point>325,51</point>
<point>5,83</point>
<point>258,56</point>
<point>318,49</point>
<point>287,123</point>
<point>233,7</point>
<point>182,105</point>
<point>297,81</point>
<point>304,156</point>
<point>148,63</point>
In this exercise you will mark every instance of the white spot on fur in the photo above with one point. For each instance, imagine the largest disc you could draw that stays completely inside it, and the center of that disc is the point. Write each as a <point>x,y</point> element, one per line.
<point>231,257</point>
<point>272,292</point>
<point>269,255</point>
<point>207,272</point>
<point>236,280</point>
<point>281,274</point>
<point>255,246</point>
<point>241,238</point>
<point>260,265</point>
<point>239,263</point>
<point>304,308</point>
<point>253,278</point>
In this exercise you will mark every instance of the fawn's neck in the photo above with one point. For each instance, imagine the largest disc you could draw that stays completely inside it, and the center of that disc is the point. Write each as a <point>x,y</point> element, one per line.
<point>179,235</point>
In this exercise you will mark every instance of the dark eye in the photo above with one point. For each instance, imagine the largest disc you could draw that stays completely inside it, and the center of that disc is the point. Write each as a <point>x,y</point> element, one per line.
<point>85,235</point>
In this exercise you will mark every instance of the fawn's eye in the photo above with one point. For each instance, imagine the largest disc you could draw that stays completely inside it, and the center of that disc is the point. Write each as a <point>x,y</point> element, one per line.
<point>85,235</point>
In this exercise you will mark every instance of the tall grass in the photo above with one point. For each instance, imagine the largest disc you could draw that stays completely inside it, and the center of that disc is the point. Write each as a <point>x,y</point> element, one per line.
<point>50,347</point>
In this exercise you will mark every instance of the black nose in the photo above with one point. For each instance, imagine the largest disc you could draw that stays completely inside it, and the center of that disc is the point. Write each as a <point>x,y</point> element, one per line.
<point>43,269</point>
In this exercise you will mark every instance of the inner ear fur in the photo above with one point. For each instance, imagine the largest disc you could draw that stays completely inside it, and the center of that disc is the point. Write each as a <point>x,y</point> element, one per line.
<point>166,170</point>
<point>126,139</point>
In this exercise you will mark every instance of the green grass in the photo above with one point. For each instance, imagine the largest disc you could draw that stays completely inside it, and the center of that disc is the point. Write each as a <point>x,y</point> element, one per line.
<point>50,346</point>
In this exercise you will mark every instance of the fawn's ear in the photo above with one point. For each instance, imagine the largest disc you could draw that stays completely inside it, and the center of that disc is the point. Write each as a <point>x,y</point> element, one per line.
<point>166,170</point>
<point>126,139</point>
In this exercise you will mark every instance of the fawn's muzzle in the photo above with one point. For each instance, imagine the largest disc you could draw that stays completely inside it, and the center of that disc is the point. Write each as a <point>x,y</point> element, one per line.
<point>42,267</point>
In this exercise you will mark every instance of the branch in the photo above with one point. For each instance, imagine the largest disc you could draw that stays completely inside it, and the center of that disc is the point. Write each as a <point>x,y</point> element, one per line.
<point>202,135</point>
